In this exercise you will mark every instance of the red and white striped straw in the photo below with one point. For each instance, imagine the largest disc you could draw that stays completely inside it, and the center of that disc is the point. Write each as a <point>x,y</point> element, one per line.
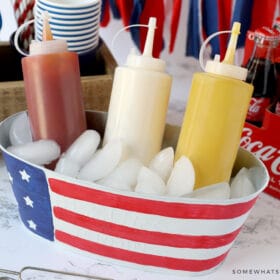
<point>23,10</point>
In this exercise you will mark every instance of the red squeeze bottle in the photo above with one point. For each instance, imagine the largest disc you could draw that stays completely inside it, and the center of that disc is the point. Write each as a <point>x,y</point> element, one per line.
<point>53,91</point>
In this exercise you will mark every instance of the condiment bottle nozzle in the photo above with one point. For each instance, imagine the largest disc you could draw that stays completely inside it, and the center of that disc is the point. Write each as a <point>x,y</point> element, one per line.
<point>47,33</point>
<point>148,49</point>
<point>227,67</point>
<point>146,59</point>
<point>230,53</point>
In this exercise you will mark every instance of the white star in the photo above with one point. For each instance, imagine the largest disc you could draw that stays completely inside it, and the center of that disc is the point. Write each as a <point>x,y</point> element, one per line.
<point>32,225</point>
<point>10,177</point>
<point>24,175</point>
<point>28,201</point>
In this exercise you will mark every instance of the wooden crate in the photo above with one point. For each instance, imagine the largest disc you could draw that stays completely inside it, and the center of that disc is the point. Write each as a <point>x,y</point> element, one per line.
<point>96,78</point>
<point>264,142</point>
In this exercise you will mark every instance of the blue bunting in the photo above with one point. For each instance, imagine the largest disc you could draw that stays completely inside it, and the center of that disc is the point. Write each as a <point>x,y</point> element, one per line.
<point>210,23</point>
<point>115,9</point>
<point>193,25</point>
<point>242,13</point>
<point>135,19</point>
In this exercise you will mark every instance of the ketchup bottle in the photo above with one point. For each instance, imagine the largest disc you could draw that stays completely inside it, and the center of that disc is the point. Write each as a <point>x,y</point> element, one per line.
<point>53,91</point>
<point>262,74</point>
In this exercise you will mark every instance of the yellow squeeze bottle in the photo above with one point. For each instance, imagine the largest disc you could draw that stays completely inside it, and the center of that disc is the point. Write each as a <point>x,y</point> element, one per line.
<point>214,118</point>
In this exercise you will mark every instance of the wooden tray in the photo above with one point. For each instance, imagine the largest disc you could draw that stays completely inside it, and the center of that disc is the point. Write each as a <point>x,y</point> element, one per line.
<point>96,77</point>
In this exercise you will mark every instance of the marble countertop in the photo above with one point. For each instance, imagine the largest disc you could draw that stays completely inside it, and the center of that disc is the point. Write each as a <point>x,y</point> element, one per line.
<point>255,254</point>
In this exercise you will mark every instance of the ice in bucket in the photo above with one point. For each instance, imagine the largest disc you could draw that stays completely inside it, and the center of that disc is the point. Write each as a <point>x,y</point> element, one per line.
<point>113,165</point>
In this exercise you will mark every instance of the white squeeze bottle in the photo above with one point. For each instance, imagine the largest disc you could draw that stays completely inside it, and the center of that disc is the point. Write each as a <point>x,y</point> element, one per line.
<point>139,102</point>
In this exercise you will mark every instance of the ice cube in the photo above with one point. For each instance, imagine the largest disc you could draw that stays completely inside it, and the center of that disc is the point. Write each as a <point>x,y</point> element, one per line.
<point>149,182</point>
<point>103,162</point>
<point>257,175</point>
<point>218,191</point>
<point>20,132</point>
<point>124,176</point>
<point>67,167</point>
<point>182,178</point>
<point>83,147</point>
<point>162,163</point>
<point>39,152</point>
<point>241,185</point>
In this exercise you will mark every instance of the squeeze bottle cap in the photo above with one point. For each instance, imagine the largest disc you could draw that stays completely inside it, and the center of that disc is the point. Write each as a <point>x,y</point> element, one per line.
<point>48,45</point>
<point>226,67</point>
<point>146,60</point>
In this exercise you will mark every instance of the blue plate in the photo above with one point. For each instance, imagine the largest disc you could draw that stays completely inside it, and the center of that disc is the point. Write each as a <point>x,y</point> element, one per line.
<point>69,8</point>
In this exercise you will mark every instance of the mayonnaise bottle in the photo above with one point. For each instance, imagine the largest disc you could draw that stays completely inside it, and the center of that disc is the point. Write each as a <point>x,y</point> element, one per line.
<point>214,118</point>
<point>139,102</point>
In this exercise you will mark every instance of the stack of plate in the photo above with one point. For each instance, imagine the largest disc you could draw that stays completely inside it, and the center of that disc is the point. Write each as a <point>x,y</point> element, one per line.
<point>77,22</point>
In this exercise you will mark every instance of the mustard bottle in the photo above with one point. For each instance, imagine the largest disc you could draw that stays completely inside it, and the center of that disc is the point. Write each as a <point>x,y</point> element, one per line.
<point>215,116</point>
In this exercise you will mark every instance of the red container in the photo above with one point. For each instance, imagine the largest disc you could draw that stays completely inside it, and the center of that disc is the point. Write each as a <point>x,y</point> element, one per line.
<point>264,142</point>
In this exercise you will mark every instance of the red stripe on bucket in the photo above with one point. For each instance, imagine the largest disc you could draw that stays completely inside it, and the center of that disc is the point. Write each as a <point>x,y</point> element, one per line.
<point>139,258</point>
<point>148,206</point>
<point>145,236</point>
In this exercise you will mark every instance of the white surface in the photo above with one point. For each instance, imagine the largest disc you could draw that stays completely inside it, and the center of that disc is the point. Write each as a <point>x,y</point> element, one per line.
<point>255,254</point>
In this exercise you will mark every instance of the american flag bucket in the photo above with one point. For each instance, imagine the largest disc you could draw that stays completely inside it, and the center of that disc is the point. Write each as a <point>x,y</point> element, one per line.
<point>164,234</point>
